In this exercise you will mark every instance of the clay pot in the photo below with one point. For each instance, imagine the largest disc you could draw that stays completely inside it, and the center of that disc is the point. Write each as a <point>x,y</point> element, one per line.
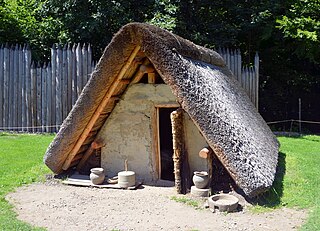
<point>200,179</point>
<point>126,179</point>
<point>97,175</point>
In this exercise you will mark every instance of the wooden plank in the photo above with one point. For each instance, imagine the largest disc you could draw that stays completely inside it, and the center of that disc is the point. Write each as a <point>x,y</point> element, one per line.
<point>15,83</point>
<point>239,64</point>
<point>74,75</point>
<point>6,71</point>
<point>33,97</point>
<point>20,91</point>
<point>155,141</point>
<point>58,88</point>
<point>89,62</point>
<point>28,89</point>
<point>167,105</point>
<point>1,84</point>
<point>84,65</point>
<point>64,83</point>
<point>84,180</point>
<point>44,77</point>
<point>49,99</point>
<point>39,97</point>
<point>23,88</point>
<point>256,66</point>
<point>253,90</point>
<point>11,88</point>
<point>99,109</point>
<point>69,76</point>
<point>53,87</point>
<point>79,69</point>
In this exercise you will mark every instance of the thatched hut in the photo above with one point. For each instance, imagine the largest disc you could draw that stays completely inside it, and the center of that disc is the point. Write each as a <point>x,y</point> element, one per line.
<point>144,74</point>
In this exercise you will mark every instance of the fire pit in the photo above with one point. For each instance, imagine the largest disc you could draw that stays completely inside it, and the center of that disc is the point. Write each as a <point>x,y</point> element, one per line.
<point>225,202</point>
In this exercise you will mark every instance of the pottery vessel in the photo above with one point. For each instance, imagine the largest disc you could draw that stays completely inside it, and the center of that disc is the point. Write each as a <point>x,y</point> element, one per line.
<point>200,179</point>
<point>97,175</point>
<point>126,179</point>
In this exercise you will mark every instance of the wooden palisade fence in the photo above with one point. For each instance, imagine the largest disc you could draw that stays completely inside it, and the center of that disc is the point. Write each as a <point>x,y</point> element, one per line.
<point>247,76</point>
<point>37,98</point>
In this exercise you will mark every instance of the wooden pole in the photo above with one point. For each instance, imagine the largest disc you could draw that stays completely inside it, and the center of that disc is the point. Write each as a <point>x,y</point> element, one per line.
<point>207,153</point>
<point>1,84</point>
<point>300,116</point>
<point>178,147</point>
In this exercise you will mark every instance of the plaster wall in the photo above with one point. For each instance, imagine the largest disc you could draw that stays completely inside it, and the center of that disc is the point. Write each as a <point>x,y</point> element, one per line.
<point>194,143</point>
<point>128,133</point>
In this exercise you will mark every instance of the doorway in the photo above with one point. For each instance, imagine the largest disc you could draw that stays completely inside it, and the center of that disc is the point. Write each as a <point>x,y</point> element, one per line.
<point>165,143</point>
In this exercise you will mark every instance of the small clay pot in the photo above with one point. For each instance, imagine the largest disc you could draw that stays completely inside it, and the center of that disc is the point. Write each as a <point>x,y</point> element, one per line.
<point>97,175</point>
<point>126,179</point>
<point>200,179</point>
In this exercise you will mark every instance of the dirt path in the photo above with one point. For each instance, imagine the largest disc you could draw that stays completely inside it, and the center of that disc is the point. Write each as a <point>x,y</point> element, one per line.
<point>60,207</point>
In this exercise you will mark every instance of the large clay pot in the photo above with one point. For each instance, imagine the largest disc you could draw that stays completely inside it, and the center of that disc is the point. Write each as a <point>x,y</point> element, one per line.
<point>200,179</point>
<point>126,179</point>
<point>97,175</point>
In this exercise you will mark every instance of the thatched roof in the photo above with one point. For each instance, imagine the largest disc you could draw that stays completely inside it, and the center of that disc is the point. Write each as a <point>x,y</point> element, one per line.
<point>203,86</point>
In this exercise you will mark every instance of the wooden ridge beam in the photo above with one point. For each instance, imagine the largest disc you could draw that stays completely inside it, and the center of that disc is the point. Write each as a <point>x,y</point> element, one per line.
<point>100,108</point>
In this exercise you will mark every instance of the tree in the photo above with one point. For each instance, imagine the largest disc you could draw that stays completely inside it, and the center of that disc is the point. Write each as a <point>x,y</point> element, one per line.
<point>95,21</point>
<point>20,23</point>
<point>300,25</point>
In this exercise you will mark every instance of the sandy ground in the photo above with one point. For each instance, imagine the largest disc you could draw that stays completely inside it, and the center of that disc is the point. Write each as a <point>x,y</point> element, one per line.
<point>62,207</point>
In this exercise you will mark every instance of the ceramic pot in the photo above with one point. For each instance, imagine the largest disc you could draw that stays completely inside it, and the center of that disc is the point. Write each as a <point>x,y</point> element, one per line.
<point>97,175</point>
<point>126,179</point>
<point>200,179</point>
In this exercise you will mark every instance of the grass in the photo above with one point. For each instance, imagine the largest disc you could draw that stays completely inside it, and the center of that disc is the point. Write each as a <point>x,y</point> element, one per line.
<point>297,181</point>
<point>187,201</point>
<point>20,164</point>
<point>296,185</point>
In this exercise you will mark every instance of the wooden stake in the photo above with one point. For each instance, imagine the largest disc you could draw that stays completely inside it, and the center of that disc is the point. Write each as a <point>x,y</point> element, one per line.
<point>100,108</point>
<point>126,165</point>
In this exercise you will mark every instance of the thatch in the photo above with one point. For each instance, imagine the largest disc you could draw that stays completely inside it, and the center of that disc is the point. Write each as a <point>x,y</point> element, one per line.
<point>204,87</point>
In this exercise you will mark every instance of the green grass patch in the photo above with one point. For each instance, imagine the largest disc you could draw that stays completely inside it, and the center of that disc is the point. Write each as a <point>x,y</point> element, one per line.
<point>20,164</point>
<point>188,201</point>
<point>297,181</point>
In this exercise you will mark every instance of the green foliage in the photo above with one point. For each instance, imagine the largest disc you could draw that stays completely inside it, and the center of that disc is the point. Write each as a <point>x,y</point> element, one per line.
<point>94,21</point>
<point>165,15</point>
<point>20,164</point>
<point>285,33</point>
<point>297,180</point>
<point>301,26</point>
<point>20,23</point>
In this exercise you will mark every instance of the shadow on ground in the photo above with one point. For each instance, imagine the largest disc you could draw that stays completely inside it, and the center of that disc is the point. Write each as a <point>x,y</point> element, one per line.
<point>272,197</point>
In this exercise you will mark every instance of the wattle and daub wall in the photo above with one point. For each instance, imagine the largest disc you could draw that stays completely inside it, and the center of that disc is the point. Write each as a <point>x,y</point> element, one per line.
<point>128,133</point>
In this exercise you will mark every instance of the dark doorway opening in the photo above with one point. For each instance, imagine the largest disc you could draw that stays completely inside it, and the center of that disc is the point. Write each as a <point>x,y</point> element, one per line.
<point>166,146</point>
